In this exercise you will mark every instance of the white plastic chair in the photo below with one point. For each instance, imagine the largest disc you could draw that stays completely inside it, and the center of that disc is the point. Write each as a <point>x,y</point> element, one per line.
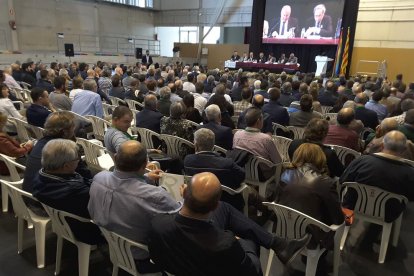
<point>326,109</point>
<point>23,213</point>
<point>253,169</point>
<point>175,144</point>
<point>146,136</point>
<point>331,116</point>
<point>244,191</point>
<point>34,131</point>
<point>120,252</point>
<point>99,126</point>
<point>282,145</point>
<point>107,109</point>
<point>134,105</point>
<point>25,85</point>
<point>292,224</point>
<point>298,132</point>
<point>21,129</point>
<point>12,166</point>
<point>220,150</point>
<point>116,101</point>
<point>370,207</point>
<point>276,126</point>
<point>96,156</point>
<point>345,155</point>
<point>63,231</point>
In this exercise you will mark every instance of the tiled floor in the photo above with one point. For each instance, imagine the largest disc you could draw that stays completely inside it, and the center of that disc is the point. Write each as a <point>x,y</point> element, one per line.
<point>360,260</point>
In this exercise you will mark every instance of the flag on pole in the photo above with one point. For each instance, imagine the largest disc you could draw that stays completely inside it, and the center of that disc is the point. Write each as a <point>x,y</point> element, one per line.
<point>345,54</point>
<point>338,56</point>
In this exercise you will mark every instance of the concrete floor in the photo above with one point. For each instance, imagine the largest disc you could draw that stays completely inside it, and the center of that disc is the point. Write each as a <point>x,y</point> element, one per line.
<point>356,260</point>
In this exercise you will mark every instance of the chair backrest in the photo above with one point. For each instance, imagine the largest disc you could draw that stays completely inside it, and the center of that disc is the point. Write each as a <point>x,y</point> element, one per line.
<point>282,145</point>
<point>25,85</point>
<point>120,251</point>
<point>276,126</point>
<point>116,101</point>
<point>99,126</point>
<point>371,200</point>
<point>298,132</point>
<point>12,166</point>
<point>326,109</point>
<point>21,129</point>
<point>146,136</point>
<point>292,224</point>
<point>16,195</point>
<point>365,132</point>
<point>220,150</point>
<point>345,155</point>
<point>59,224</point>
<point>134,104</point>
<point>254,169</point>
<point>34,131</point>
<point>92,152</point>
<point>175,144</point>
<point>19,93</point>
<point>331,117</point>
<point>108,109</point>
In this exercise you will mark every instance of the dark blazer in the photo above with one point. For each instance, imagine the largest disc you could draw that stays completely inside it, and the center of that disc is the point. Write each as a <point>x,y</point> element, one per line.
<point>235,58</point>
<point>46,85</point>
<point>326,98</point>
<point>185,246</point>
<point>277,113</point>
<point>37,115</point>
<point>263,93</point>
<point>145,61</point>
<point>117,92</point>
<point>223,134</point>
<point>149,119</point>
<point>235,93</point>
<point>292,23</point>
<point>368,117</point>
<point>226,170</point>
<point>326,25</point>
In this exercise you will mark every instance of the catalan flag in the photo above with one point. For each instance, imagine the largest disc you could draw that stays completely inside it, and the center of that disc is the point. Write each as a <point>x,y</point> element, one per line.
<point>345,54</point>
<point>338,55</point>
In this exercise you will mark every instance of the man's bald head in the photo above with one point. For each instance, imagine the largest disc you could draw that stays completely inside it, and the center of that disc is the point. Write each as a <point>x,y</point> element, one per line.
<point>361,98</point>
<point>202,195</point>
<point>345,116</point>
<point>150,101</point>
<point>258,101</point>
<point>131,156</point>
<point>395,142</point>
<point>388,124</point>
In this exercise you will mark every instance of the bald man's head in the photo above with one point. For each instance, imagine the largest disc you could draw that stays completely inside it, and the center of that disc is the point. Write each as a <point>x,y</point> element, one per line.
<point>150,102</point>
<point>258,101</point>
<point>345,116</point>
<point>202,195</point>
<point>388,124</point>
<point>131,156</point>
<point>361,98</point>
<point>395,142</point>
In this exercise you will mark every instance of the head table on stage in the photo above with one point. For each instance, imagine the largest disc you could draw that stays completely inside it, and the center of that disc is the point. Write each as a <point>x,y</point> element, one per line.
<point>255,66</point>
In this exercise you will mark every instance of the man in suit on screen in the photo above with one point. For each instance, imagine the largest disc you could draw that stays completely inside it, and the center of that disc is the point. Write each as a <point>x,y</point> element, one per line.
<point>320,24</point>
<point>282,26</point>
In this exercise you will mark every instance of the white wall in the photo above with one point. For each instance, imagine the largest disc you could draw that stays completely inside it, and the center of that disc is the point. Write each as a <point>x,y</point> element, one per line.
<point>167,36</point>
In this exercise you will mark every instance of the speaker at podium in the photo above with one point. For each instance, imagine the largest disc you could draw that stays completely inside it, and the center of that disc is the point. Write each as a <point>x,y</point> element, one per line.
<point>321,64</point>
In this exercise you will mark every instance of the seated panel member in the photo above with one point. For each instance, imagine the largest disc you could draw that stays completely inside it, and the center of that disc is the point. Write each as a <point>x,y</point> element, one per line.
<point>285,26</point>
<point>320,24</point>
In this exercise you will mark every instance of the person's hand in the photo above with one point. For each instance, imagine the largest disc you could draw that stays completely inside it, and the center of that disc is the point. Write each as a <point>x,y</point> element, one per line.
<point>182,187</point>
<point>154,175</point>
<point>151,166</point>
<point>155,151</point>
<point>28,145</point>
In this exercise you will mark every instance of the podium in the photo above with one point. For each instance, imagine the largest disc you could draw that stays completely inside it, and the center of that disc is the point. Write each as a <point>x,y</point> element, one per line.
<point>321,64</point>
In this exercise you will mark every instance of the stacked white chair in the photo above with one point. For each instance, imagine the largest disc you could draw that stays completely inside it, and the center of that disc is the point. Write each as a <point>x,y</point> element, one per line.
<point>13,167</point>
<point>298,132</point>
<point>175,145</point>
<point>282,145</point>
<point>99,126</point>
<point>96,156</point>
<point>345,155</point>
<point>146,136</point>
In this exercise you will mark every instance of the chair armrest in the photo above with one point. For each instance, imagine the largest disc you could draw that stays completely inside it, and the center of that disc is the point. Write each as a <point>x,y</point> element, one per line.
<point>335,227</point>
<point>21,105</point>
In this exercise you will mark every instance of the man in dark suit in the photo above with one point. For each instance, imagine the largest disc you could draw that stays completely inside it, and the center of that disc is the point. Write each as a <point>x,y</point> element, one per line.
<point>235,56</point>
<point>147,59</point>
<point>258,101</point>
<point>194,241</point>
<point>282,26</point>
<point>320,24</point>
<point>368,117</point>
<point>205,160</point>
<point>329,96</point>
<point>277,113</point>
<point>149,117</point>
<point>223,134</point>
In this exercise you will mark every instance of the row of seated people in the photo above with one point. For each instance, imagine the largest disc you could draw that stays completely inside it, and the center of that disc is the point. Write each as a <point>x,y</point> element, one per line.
<point>62,124</point>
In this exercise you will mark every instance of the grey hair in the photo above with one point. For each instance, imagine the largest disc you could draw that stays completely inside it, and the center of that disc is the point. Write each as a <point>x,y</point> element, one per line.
<point>176,110</point>
<point>320,7</point>
<point>395,141</point>
<point>57,153</point>
<point>256,84</point>
<point>165,92</point>
<point>204,139</point>
<point>89,84</point>
<point>63,72</point>
<point>213,112</point>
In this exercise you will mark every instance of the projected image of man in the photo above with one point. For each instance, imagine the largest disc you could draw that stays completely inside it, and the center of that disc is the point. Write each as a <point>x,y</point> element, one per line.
<point>285,26</point>
<point>320,24</point>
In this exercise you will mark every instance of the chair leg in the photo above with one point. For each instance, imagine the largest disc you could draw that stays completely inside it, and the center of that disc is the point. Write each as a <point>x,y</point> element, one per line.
<point>312,261</point>
<point>336,251</point>
<point>385,238</point>
<point>396,230</point>
<point>40,235</point>
<point>269,262</point>
<point>4,198</point>
<point>84,250</point>
<point>58,254</point>
<point>115,271</point>
<point>344,235</point>
<point>20,228</point>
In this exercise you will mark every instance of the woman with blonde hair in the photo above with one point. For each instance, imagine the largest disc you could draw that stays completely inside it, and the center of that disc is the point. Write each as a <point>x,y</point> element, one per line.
<point>306,187</point>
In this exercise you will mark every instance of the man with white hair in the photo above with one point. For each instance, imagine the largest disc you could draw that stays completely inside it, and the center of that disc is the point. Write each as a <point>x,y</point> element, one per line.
<point>60,187</point>
<point>223,134</point>
<point>320,24</point>
<point>385,170</point>
<point>283,25</point>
